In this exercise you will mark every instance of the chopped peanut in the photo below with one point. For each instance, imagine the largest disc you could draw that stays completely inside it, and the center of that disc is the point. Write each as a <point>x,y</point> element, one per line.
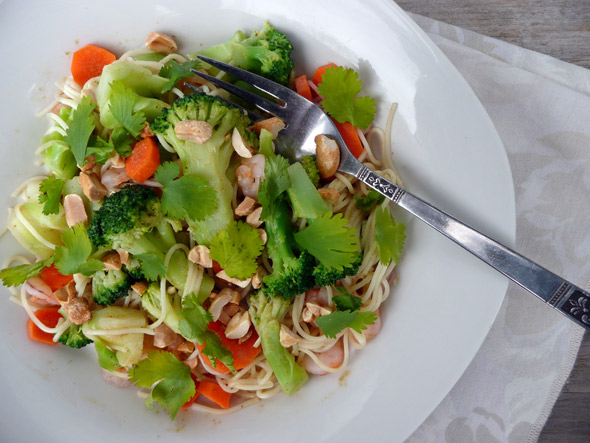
<point>140,287</point>
<point>263,235</point>
<point>245,207</point>
<point>273,125</point>
<point>241,283</point>
<point>193,130</point>
<point>330,194</point>
<point>253,218</point>
<point>238,326</point>
<point>217,305</point>
<point>201,255</point>
<point>112,261</point>
<point>160,42</point>
<point>239,145</point>
<point>327,156</point>
<point>287,337</point>
<point>78,310</point>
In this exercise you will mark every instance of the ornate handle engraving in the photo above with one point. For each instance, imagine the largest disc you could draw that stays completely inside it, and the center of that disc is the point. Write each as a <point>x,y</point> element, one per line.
<point>578,306</point>
<point>378,183</point>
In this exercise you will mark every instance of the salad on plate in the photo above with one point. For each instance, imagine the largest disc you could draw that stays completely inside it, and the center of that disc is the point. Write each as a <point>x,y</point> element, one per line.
<point>203,267</point>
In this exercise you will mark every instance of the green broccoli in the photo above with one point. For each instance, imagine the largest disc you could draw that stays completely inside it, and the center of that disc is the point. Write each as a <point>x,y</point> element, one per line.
<point>309,164</point>
<point>305,198</point>
<point>266,314</point>
<point>291,275</point>
<point>326,277</point>
<point>110,286</point>
<point>74,337</point>
<point>209,160</point>
<point>132,219</point>
<point>146,88</point>
<point>266,52</point>
<point>151,302</point>
<point>133,269</point>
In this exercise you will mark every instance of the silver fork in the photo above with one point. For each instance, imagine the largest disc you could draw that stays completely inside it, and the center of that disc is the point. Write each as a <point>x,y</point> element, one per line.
<point>304,120</point>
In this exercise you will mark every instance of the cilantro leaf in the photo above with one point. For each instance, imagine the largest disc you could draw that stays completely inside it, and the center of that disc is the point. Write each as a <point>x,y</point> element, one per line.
<point>346,301</point>
<point>193,325</point>
<point>276,181</point>
<point>173,383</point>
<point>330,241</point>
<point>100,148</point>
<point>80,129</point>
<point>368,202</point>
<point>236,249</point>
<point>121,141</point>
<point>73,256</point>
<point>340,88</point>
<point>389,236</point>
<point>50,194</point>
<point>335,322</point>
<point>186,197</point>
<point>175,71</point>
<point>121,106</point>
<point>151,266</point>
<point>17,275</point>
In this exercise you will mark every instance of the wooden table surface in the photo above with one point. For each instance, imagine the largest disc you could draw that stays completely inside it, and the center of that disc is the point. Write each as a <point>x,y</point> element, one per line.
<point>560,28</point>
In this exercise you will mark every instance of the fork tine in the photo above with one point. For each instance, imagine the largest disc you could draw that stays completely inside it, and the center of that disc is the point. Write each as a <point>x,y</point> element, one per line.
<point>278,91</point>
<point>253,116</point>
<point>256,100</point>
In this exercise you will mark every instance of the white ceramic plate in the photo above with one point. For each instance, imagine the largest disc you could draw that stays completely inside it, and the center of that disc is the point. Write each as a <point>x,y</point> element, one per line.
<point>447,151</point>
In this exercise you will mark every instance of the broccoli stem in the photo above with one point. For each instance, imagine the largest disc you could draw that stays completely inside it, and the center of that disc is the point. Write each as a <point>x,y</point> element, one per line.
<point>305,198</point>
<point>280,236</point>
<point>267,315</point>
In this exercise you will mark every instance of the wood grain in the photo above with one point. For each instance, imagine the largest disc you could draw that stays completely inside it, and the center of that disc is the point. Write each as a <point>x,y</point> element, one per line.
<point>560,28</point>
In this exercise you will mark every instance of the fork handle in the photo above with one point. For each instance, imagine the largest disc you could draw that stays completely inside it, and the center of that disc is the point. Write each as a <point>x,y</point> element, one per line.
<point>564,296</point>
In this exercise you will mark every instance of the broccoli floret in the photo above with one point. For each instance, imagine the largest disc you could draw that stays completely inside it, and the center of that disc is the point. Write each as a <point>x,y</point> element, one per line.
<point>146,86</point>
<point>151,302</point>
<point>74,337</point>
<point>291,275</point>
<point>133,269</point>
<point>132,219</point>
<point>326,277</point>
<point>109,286</point>
<point>266,52</point>
<point>209,160</point>
<point>311,169</point>
<point>305,198</point>
<point>266,314</point>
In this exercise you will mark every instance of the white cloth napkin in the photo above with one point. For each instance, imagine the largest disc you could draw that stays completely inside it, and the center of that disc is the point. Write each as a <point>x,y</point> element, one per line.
<point>541,109</point>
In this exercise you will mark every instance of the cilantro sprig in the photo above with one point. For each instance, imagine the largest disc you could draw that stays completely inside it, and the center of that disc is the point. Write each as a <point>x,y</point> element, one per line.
<point>121,106</point>
<point>185,197</point>
<point>74,256</point>
<point>389,236</point>
<point>236,249</point>
<point>50,194</point>
<point>193,325</point>
<point>330,241</point>
<point>340,88</point>
<point>17,275</point>
<point>169,379</point>
<point>174,72</point>
<point>80,129</point>
<point>347,315</point>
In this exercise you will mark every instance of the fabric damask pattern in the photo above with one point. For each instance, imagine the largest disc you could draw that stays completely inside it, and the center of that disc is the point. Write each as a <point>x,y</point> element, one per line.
<point>541,109</point>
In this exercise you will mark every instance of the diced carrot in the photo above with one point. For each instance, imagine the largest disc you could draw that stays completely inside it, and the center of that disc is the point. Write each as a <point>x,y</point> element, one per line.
<point>87,63</point>
<point>351,138</point>
<point>302,87</point>
<point>194,397</point>
<point>49,317</point>
<point>243,353</point>
<point>143,161</point>
<point>319,73</point>
<point>55,279</point>
<point>213,392</point>
<point>217,267</point>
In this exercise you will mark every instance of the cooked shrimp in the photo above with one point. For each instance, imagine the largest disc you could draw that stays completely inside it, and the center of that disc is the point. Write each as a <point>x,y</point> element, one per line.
<point>332,358</point>
<point>249,174</point>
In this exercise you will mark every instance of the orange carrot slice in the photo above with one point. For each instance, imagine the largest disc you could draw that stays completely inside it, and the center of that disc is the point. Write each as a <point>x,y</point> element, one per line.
<point>143,161</point>
<point>88,62</point>
<point>49,317</point>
